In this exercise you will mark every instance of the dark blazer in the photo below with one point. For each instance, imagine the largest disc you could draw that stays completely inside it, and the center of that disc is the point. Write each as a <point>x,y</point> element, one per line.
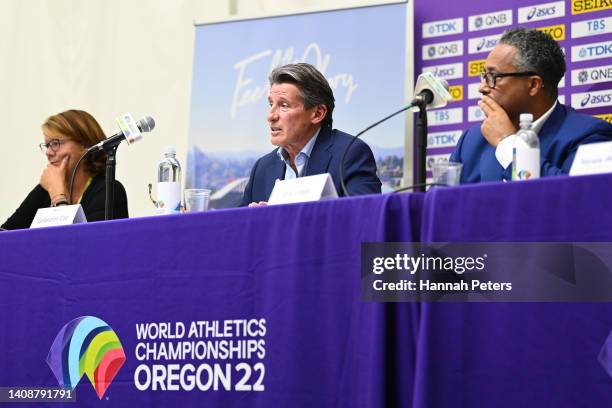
<point>359,167</point>
<point>562,133</point>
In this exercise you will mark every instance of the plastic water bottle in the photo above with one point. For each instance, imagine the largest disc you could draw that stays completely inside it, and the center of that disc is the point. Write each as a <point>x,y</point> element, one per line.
<point>169,183</point>
<point>526,151</point>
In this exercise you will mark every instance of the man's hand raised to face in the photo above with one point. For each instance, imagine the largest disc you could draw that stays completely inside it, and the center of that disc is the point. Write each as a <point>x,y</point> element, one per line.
<point>497,125</point>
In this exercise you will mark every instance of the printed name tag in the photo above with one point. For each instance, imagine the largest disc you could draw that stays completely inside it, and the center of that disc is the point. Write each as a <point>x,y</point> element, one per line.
<point>62,215</point>
<point>302,189</point>
<point>592,158</point>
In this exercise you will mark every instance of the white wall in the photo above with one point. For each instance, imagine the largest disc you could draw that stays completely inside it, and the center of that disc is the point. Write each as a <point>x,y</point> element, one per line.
<point>106,57</point>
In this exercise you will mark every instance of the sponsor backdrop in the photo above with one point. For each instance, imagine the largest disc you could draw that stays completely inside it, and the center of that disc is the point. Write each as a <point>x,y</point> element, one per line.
<point>453,41</point>
<point>228,127</point>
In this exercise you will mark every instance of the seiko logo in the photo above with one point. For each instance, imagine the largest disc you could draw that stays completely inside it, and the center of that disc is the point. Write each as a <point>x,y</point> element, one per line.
<point>585,6</point>
<point>598,99</point>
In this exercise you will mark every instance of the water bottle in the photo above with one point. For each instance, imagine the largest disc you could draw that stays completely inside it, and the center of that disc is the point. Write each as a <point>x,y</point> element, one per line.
<point>526,151</point>
<point>169,183</point>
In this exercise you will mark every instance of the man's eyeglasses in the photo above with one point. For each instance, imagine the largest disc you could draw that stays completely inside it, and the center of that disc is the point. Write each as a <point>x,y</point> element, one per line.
<point>54,144</point>
<point>491,79</point>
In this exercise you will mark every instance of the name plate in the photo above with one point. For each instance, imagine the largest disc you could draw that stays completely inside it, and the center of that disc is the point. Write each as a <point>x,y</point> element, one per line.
<point>592,158</point>
<point>62,215</point>
<point>302,189</point>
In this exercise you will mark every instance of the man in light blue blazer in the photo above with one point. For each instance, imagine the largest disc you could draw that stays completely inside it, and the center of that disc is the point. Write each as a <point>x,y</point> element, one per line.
<point>300,117</point>
<point>521,75</point>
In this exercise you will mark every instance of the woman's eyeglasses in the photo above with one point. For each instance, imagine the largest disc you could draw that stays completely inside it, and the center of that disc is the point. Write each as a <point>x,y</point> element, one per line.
<point>53,144</point>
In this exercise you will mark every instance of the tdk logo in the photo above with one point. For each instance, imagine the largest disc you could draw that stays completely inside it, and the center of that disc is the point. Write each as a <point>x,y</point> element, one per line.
<point>592,51</point>
<point>442,27</point>
<point>443,139</point>
<point>596,51</point>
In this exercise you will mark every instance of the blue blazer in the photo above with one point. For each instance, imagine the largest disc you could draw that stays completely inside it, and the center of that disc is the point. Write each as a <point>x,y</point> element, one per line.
<point>359,167</point>
<point>562,133</point>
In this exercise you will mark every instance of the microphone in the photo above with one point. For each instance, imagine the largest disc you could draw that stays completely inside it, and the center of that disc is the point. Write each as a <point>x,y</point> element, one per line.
<point>430,91</point>
<point>130,132</point>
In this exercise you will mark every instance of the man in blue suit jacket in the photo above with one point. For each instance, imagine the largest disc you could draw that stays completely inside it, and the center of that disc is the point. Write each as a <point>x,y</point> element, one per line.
<point>300,117</point>
<point>522,75</point>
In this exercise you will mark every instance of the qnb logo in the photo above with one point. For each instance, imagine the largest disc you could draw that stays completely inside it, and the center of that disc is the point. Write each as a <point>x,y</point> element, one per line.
<point>431,51</point>
<point>86,346</point>
<point>478,22</point>
<point>591,99</point>
<point>583,76</point>
<point>536,12</point>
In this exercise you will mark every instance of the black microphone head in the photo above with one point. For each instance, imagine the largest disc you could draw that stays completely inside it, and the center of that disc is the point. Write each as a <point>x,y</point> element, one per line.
<point>427,96</point>
<point>146,124</point>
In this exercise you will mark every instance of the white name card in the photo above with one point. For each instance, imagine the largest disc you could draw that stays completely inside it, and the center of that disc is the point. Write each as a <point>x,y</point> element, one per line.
<point>592,158</point>
<point>302,189</point>
<point>62,215</point>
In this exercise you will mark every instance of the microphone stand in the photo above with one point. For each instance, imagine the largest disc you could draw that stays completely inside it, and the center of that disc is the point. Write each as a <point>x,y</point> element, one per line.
<point>421,147</point>
<point>111,162</point>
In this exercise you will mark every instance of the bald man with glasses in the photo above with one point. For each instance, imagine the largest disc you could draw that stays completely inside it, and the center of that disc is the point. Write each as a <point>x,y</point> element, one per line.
<point>521,75</point>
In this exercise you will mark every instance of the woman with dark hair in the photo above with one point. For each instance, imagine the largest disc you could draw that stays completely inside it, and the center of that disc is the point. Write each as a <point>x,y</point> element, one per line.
<point>67,136</point>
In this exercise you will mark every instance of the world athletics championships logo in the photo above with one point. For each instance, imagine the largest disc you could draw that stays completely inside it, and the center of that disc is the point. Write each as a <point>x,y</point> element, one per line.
<point>86,345</point>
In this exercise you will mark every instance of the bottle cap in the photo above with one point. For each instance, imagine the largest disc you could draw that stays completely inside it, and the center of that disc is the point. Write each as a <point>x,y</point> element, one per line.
<point>170,150</point>
<point>526,117</point>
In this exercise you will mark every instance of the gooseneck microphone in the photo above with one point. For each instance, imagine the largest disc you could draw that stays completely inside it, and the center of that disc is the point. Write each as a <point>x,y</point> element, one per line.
<point>430,92</point>
<point>130,132</point>
<point>146,124</point>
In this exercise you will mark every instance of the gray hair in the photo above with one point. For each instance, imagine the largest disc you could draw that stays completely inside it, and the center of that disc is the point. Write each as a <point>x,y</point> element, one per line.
<point>538,52</point>
<point>314,88</point>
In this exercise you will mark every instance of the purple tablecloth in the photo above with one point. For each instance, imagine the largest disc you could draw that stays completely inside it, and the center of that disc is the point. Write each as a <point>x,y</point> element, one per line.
<point>295,266</point>
<point>516,354</point>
